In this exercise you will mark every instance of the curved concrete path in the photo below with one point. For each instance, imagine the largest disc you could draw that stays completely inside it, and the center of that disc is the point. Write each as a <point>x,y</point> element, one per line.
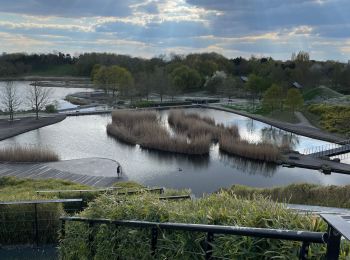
<point>96,172</point>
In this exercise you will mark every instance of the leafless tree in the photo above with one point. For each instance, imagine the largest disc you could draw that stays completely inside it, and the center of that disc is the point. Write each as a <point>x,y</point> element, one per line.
<point>38,97</point>
<point>10,99</point>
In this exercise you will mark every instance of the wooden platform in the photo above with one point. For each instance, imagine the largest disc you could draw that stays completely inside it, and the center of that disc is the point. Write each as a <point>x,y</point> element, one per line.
<point>42,171</point>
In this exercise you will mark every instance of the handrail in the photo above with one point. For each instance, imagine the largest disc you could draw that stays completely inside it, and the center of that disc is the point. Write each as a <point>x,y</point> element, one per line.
<point>306,237</point>
<point>80,191</point>
<point>39,201</point>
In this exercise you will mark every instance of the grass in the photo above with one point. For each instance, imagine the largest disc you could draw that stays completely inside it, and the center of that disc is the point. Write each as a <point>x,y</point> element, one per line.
<point>333,118</point>
<point>221,208</point>
<point>321,92</point>
<point>308,194</point>
<point>27,154</point>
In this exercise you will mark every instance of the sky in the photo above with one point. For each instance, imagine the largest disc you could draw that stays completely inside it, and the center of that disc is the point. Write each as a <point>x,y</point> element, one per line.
<point>148,28</point>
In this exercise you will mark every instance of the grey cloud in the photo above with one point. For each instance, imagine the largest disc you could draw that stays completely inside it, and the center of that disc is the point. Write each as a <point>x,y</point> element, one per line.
<point>69,8</point>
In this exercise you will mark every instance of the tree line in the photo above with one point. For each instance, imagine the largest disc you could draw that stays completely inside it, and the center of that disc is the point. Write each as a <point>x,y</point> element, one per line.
<point>195,68</point>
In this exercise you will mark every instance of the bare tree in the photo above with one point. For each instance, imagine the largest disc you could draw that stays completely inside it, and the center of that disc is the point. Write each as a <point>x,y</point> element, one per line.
<point>38,97</point>
<point>10,99</point>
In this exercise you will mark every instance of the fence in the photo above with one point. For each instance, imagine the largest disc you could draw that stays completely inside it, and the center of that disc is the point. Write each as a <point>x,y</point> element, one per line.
<point>22,222</point>
<point>331,238</point>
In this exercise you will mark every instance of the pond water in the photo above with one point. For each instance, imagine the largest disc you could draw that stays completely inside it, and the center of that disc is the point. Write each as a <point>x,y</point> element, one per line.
<point>57,94</point>
<point>85,136</point>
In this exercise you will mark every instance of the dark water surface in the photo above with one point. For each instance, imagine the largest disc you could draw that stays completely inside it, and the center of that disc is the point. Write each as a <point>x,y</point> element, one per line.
<point>85,136</point>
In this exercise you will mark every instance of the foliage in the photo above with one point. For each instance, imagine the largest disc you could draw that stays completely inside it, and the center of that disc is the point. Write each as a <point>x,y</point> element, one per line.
<point>27,154</point>
<point>273,97</point>
<point>333,118</point>
<point>294,99</point>
<point>51,108</point>
<point>321,92</point>
<point>222,208</point>
<point>185,78</point>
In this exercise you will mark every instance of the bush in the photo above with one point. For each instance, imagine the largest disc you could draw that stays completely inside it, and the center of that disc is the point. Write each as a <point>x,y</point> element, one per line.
<point>27,154</point>
<point>50,109</point>
<point>222,208</point>
<point>303,193</point>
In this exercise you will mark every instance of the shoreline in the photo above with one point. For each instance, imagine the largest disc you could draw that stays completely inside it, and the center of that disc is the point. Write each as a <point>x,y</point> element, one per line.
<point>307,131</point>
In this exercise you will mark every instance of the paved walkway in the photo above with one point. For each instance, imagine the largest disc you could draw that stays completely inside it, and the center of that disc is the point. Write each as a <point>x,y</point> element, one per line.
<point>294,128</point>
<point>96,172</point>
<point>25,124</point>
<point>303,120</point>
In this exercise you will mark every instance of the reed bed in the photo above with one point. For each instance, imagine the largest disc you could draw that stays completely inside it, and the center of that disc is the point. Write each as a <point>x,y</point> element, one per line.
<point>193,125</point>
<point>257,151</point>
<point>27,154</point>
<point>144,128</point>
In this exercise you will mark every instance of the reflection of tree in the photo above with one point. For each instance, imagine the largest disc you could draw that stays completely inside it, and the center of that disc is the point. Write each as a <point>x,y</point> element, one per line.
<point>250,124</point>
<point>249,166</point>
<point>278,137</point>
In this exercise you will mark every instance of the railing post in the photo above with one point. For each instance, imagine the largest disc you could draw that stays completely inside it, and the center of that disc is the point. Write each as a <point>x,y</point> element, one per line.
<point>208,246</point>
<point>36,228</point>
<point>154,238</point>
<point>91,239</point>
<point>63,229</point>
<point>333,244</point>
<point>304,250</point>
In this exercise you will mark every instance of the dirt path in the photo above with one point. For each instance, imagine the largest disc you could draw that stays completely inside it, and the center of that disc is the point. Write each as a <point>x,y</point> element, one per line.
<point>303,120</point>
<point>309,131</point>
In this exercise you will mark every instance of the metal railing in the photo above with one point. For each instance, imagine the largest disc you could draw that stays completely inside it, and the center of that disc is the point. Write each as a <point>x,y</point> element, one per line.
<point>26,214</point>
<point>331,238</point>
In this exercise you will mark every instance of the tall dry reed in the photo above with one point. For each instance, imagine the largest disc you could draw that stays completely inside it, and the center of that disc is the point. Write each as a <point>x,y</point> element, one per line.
<point>27,154</point>
<point>144,128</point>
<point>257,151</point>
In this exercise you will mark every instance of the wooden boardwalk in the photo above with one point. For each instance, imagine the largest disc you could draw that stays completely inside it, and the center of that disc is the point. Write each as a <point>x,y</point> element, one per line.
<point>42,171</point>
<point>333,152</point>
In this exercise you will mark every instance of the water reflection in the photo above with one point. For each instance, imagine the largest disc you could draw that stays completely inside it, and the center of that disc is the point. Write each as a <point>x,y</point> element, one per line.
<point>248,166</point>
<point>278,137</point>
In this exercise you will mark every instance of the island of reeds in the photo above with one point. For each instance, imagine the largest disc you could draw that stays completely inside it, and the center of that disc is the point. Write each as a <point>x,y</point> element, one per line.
<point>27,154</point>
<point>191,134</point>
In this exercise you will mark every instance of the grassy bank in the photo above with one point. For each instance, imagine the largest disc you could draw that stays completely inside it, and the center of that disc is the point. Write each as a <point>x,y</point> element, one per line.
<point>27,154</point>
<point>333,118</point>
<point>219,209</point>
<point>308,194</point>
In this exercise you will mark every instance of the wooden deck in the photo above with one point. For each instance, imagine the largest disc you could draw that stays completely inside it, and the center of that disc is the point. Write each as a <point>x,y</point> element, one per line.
<point>42,171</point>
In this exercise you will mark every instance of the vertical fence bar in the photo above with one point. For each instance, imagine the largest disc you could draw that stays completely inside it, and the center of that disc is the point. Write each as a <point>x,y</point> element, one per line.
<point>63,229</point>
<point>304,250</point>
<point>36,228</point>
<point>154,238</point>
<point>208,246</point>
<point>333,244</point>
<point>91,239</point>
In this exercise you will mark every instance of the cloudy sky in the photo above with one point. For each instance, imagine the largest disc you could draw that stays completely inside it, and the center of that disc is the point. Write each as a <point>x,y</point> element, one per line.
<point>148,28</point>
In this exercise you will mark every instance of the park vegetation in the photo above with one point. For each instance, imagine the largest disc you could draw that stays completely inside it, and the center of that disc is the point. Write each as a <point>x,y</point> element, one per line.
<point>193,134</point>
<point>300,193</point>
<point>333,118</point>
<point>222,208</point>
<point>27,154</point>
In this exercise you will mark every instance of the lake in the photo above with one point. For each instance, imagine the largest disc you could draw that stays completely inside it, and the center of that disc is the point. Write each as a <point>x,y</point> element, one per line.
<point>57,94</point>
<point>85,136</point>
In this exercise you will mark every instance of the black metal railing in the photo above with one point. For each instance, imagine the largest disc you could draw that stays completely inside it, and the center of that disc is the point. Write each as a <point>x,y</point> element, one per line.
<point>27,217</point>
<point>330,238</point>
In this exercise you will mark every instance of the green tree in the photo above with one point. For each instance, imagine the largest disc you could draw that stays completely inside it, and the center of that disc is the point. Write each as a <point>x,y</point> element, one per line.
<point>161,82</point>
<point>256,85</point>
<point>273,97</point>
<point>185,78</point>
<point>294,99</point>
<point>120,79</point>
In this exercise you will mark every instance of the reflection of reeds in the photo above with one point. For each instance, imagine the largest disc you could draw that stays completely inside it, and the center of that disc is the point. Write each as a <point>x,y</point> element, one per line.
<point>27,154</point>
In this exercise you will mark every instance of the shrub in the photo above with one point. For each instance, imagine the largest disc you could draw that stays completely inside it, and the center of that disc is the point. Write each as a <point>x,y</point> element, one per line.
<point>50,109</point>
<point>27,154</point>
<point>222,208</point>
<point>303,193</point>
